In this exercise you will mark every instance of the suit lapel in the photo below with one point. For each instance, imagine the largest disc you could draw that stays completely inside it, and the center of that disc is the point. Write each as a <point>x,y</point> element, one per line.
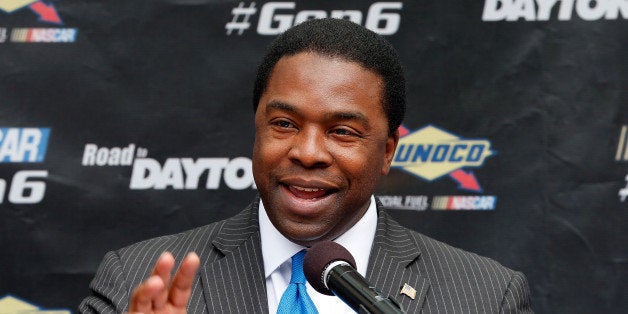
<point>393,263</point>
<point>233,282</point>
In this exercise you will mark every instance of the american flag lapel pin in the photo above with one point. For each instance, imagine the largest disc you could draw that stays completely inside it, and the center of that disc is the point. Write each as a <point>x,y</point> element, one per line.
<point>408,290</point>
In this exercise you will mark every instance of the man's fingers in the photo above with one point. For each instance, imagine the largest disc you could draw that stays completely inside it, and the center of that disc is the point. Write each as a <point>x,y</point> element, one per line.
<point>181,287</point>
<point>144,295</point>
<point>156,292</point>
<point>163,269</point>
<point>153,292</point>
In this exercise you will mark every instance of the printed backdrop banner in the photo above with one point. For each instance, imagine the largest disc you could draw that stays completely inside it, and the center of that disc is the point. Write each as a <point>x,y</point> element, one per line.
<point>125,120</point>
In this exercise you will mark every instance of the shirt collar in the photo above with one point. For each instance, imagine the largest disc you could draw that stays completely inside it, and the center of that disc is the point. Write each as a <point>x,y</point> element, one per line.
<point>358,240</point>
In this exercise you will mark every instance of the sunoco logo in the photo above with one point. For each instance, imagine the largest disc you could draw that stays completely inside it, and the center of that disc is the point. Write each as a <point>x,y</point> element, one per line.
<point>431,153</point>
<point>12,304</point>
<point>45,11</point>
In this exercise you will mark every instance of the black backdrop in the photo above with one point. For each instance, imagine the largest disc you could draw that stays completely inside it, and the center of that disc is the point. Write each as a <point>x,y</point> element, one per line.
<point>132,94</point>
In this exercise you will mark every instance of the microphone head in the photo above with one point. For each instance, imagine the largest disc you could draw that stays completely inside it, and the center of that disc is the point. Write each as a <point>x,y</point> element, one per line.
<point>318,257</point>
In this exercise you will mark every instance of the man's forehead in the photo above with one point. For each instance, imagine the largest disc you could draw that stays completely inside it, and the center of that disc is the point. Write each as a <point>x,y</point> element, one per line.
<point>313,78</point>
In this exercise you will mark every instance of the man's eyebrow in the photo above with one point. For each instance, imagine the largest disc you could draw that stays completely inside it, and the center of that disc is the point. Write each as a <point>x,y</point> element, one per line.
<point>349,115</point>
<point>279,105</point>
<point>336,115</point>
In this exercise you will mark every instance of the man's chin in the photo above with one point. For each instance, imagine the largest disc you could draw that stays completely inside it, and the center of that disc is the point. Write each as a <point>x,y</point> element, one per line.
<point>306,235</point>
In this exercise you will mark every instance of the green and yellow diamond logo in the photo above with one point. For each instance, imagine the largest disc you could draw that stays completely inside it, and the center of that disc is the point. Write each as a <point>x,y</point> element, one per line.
<point>431,152</point>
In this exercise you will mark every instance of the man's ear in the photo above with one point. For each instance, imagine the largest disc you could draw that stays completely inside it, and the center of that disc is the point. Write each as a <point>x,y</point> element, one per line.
<point>391,147</point>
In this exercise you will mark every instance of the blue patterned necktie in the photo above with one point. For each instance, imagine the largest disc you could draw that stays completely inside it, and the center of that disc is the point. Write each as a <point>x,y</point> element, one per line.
<point>295,299</point>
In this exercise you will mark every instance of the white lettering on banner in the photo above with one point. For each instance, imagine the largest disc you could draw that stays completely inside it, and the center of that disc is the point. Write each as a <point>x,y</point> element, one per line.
<point>622,145</point>
<point>475,202</point>
<point>23,189</point>
<point>391,201</point>
<point>541,10</point>
<point>268,16</point>
<point>22,144</point>
<point>53,35</point>
<point>272,22</point>
<point>464,202</point>
<point>408,202</point>
<point>103,156</point>
<point>3,189</point>
<point>185,173</point>
<point>623,193</point>
<point>3,34</point>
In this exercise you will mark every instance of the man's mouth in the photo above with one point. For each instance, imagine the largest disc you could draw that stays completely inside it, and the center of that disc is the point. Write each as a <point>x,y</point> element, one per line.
<point>307,193</point>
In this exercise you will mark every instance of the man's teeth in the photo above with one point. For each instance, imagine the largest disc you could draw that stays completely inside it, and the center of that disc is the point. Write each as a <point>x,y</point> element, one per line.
<point>306,189</point>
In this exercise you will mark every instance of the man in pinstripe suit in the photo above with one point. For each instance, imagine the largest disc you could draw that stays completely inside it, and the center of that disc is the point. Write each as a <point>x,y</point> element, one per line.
<point>329,97</point>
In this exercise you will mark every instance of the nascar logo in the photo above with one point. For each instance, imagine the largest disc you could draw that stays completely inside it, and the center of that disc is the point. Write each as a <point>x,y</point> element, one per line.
<point>431,153</point>
<point>464,202</point>
<point>18,145</point>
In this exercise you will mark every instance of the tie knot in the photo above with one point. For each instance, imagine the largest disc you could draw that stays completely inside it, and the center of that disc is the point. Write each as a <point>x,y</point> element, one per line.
<point>295,299</point>
<point>297,268</point>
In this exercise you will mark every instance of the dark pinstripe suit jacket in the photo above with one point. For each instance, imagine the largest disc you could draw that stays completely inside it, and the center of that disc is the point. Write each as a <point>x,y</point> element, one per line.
<point>231,277</point>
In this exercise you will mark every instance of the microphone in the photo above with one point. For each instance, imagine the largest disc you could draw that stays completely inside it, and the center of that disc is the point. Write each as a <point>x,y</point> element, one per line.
<point>330,269</point>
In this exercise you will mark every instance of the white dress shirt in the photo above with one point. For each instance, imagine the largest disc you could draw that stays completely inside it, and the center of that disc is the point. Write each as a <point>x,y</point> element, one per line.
<point>277,252</point>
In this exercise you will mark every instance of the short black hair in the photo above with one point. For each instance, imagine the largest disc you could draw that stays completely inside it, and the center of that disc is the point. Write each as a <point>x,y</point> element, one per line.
<point>346,40</point>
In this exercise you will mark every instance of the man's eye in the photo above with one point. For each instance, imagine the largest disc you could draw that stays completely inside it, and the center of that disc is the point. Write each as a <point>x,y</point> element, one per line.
<point>343,132</point>
<point>283,124</point>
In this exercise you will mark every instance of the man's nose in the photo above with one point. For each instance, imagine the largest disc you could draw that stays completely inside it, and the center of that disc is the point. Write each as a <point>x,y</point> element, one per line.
<point>310,149</point>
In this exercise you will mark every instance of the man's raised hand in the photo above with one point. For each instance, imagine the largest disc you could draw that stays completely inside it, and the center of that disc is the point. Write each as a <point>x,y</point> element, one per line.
<point>159,294</point>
